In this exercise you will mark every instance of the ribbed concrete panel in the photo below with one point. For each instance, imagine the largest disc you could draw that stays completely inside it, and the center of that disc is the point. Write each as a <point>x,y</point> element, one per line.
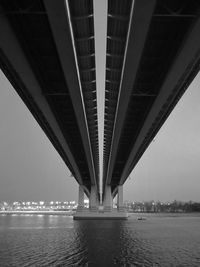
<point>81,12</point>
<point>117,29</point>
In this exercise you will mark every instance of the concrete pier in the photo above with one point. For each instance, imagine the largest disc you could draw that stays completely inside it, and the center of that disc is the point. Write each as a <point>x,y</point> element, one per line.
<point>108,200</point>
<point>80,207</point>
<point>120,201</point>
<point>88,215</point>
<point>94,202</point>
<point>100,212</point>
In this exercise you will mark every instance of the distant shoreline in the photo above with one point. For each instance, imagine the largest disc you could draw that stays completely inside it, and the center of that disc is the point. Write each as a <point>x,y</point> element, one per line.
<point>71,213</point>
<point>7,212</point>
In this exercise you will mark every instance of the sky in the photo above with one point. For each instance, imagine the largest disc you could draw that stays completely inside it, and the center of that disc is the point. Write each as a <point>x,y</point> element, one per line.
<point>170,167</point>
<point>100,24</point>
<point>31,169</point>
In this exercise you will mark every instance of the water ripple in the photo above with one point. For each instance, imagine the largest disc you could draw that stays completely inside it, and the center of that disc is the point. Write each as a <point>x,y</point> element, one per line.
<point>60,241</point>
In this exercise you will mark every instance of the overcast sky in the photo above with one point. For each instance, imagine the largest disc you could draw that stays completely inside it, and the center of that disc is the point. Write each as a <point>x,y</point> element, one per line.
<point>170,167</point>
<point>31,169</point>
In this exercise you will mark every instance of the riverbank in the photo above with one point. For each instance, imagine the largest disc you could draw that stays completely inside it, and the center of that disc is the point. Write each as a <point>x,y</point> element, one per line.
<point>36,212</point>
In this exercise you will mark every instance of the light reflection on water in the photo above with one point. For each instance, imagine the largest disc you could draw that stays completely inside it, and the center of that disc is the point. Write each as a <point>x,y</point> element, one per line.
<point>161,240</point>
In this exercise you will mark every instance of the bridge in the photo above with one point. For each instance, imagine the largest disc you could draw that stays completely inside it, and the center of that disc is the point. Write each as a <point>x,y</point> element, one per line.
<point>47,52</point>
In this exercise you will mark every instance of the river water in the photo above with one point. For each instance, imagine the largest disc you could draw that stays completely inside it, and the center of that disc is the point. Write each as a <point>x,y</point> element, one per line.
<point>50,240</point>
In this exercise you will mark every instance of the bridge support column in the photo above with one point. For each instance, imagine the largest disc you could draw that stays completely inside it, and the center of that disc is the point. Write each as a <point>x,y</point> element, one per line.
<point>94,213</point>
<point>120,204</point>
<point>80,199</point>
<point>93,199</point>
<point>108,200</point>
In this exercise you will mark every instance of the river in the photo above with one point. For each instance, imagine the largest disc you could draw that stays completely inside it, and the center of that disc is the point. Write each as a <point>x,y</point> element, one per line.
<point>57,240</point>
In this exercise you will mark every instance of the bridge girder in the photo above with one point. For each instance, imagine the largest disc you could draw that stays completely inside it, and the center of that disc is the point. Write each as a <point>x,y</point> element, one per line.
<point>38,56</point>
<point>160,60</point>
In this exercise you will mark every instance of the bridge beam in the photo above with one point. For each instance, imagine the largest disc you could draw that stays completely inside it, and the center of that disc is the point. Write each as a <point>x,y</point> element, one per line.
<point>16,67</point>
<point>182,72</point>
<point>139,24</point>
<point>62,32</point>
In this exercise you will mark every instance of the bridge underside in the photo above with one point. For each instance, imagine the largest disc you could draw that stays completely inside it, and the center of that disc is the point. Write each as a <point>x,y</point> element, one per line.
<point>153,54</point>
<point>47,53</point>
